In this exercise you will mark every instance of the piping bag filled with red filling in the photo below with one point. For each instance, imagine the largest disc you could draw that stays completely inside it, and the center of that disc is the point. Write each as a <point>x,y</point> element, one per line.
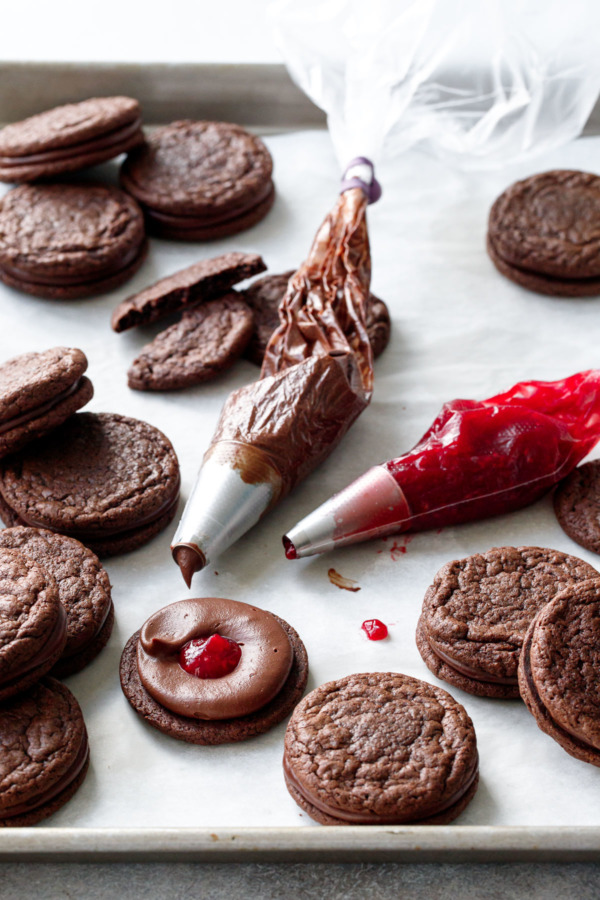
<point>479,458</point>
<point>317,377</point>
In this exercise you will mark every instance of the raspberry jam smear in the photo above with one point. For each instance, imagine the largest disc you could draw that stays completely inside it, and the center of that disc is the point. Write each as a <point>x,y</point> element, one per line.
<point>211,657</point>
<point>374,629</point>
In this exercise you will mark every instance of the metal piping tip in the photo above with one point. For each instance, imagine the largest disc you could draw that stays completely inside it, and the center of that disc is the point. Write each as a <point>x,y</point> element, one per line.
<point>234,488</point>
<point>372,506</point>
<point>189,559</point>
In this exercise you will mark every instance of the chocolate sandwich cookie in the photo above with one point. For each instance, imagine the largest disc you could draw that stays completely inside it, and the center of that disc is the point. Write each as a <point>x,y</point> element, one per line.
<point>110,481</point>
<point>213,671</point>
<point>70,137</point>
<point>207,340</point>
<point>477,612</point>
<point>380,749</point>
<point>33,623</point>
<point>200,181</point>
<point>45,753</point>
<point>38,392</point>
<point>558,671</point>
<point>64,241</point>
<point>543,233</point>
<point>83,589</point>
<point>264,296</point>
<point>577,505</point>
<point>202,281</point>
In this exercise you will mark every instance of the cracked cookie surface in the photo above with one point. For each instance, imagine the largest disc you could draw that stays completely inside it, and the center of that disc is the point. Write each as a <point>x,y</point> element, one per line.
<point>380,748</point>
<point>207,340</point>
<point>102,478</point>
<point>477,611</point>
<point>43,753</point>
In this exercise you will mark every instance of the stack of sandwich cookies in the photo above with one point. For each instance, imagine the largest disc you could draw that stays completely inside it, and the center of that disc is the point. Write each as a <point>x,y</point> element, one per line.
<point>200,181</point>
<point>478,609</point>
<point>558,671</point>
<point>66,241</point>
<point>83,590</point>
<point>33,623</point>
<point>68,138</point>
<point>120,477</point>
<point>38,392</point>
<point>543,233</point>
<point>213,671</point>
<point>380,749</point>
<point>264,296</point>
<point>44,751</point>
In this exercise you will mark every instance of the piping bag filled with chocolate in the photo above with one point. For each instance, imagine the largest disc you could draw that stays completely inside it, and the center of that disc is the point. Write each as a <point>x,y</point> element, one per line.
<point>316,378</point>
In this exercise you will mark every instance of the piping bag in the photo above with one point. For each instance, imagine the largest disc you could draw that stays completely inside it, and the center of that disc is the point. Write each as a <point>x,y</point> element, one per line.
<point>316,378</point>
<point>477,459</point>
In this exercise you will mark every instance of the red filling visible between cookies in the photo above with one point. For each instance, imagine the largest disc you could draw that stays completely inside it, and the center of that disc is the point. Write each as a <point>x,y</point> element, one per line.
<point>211,657</point>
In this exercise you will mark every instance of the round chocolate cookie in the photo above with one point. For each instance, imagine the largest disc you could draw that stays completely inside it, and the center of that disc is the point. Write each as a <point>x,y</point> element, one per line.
<point>558,671</point>
<point>577,505</point>
<point>107,480</point>
<point>478,609</point>
<point>543,233</point>
<point>200,181</point>
<point>33,623</point>
<point>64,241</point>
<point>44,752</point>
<point>249,699</point>
<point>264,296</point>
<point>38,392</point>
<point>83,590</point>
<point>70,137</point>
<point>207,340</point>
<point>380,748</point>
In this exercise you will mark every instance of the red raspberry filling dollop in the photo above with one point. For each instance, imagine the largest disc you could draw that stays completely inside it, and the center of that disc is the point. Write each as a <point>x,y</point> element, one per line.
<point>375,629</point>
<point>211,657</point>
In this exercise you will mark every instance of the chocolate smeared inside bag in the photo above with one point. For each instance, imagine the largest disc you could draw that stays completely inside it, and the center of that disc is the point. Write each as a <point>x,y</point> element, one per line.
<point>316,379</point>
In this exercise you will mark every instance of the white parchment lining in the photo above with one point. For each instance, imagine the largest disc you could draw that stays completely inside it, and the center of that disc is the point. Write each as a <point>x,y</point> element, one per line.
<point>459,330</point>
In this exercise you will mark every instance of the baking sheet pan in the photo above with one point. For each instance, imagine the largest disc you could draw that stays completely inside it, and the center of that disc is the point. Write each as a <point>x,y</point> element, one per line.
<point>459,330</point>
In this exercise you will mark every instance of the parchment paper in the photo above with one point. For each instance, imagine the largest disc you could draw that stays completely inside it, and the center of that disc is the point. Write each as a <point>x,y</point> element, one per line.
<point>459,330</point>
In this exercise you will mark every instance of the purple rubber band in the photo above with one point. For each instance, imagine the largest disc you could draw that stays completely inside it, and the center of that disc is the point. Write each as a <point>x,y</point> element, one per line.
<point>373,190</point>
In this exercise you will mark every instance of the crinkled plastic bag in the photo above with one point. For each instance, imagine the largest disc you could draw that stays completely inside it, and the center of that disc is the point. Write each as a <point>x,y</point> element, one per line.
<point>480,83</point>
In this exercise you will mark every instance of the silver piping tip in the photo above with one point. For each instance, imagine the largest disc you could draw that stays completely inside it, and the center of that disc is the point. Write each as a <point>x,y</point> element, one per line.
<point>372,506</point>
<point>223,505</point>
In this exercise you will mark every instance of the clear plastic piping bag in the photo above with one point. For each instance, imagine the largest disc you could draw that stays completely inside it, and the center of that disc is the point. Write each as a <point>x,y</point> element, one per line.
<point>479,83</point>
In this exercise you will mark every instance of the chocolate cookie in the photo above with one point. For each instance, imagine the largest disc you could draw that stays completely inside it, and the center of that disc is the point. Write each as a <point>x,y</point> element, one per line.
<point>64,241</point>
<point>477,611</point>
<point>33,623</point>
<point>207,340</point>
<point>577,505</point>
<point>558,671</point>
<point>70,137</point>
<point>205,280</point>
<point>199,181</point>
<point>264,296</point>
<point>83,590</point>
<point>227,705</point>
<point>44,752</point>
<point>38,392</point>
<point>380,749</point>
<point>543,233</point>
<point>107,480</point>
